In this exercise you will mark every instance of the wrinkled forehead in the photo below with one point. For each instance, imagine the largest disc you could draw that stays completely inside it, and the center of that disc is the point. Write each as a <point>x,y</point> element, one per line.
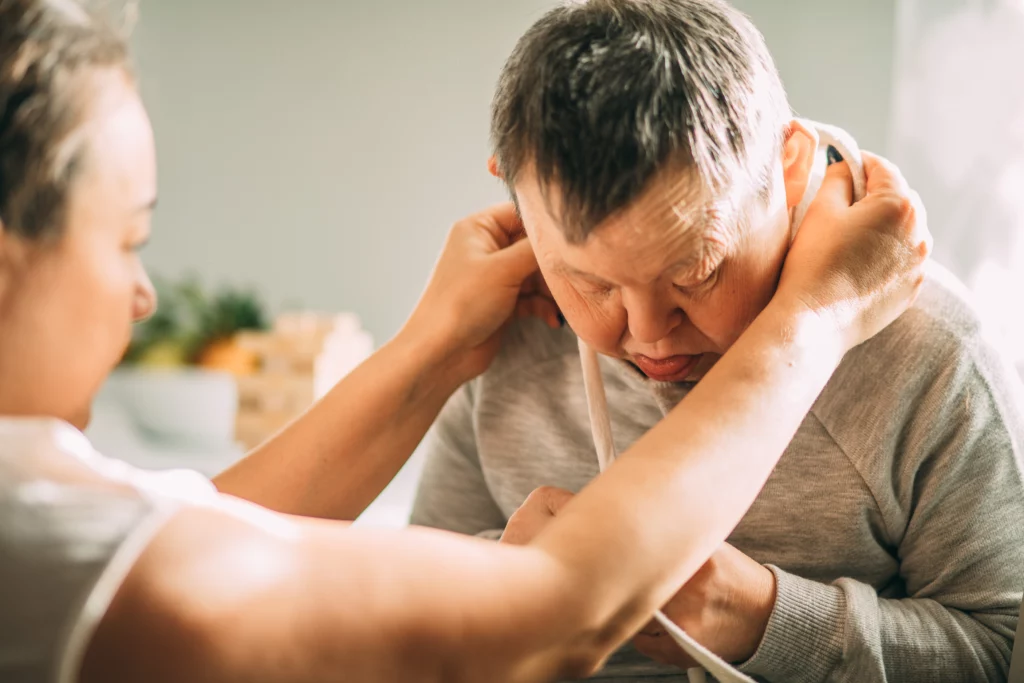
<point>673,206</point>
<point>672,223</point>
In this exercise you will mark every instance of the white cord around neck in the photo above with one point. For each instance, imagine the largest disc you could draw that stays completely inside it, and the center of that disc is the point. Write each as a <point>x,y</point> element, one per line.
<point>597,403</point>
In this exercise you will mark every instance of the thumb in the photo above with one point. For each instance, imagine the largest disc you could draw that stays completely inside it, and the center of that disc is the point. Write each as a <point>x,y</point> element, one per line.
<point>837,187</point>
<point>517,260</point>
<point>557,499</point>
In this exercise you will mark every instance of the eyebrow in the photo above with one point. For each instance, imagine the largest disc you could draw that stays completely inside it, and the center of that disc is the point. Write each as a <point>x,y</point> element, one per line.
<point>683,266</point>
<point>563,268</point>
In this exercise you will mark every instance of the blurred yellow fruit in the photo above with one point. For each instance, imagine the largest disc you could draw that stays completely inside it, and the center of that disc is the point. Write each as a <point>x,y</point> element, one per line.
<point>227,356</point>
<point>165,354</point>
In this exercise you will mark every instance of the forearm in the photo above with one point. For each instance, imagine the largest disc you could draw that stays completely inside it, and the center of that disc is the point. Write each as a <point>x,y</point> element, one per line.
<point>221,597</point>
<point>442,621</point>
<point>334,460</point>
<point>703,465</point>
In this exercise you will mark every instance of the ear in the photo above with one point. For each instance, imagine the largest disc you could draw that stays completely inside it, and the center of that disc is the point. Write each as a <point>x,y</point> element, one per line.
<point>798,152</point>
<point>492,166</point>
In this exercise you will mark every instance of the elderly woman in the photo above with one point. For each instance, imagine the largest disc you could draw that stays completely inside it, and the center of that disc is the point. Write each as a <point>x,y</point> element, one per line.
<point>112,574</point>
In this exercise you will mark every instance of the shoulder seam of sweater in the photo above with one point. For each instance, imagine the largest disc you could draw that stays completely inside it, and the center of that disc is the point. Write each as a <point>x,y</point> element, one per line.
<point>890,537</point>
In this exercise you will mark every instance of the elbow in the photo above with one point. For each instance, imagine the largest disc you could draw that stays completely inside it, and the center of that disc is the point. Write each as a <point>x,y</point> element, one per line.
<point>585,627</point>
<point>587,649</point>
<point>583,663</point>
<point>590,654</point>
<point>568,653</point>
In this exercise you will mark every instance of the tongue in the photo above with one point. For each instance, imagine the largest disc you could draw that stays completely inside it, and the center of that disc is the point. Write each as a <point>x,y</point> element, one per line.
<point>672,369</point>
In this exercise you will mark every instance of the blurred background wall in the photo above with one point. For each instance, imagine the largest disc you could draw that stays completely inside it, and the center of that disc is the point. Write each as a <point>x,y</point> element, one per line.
<point>321,149</point>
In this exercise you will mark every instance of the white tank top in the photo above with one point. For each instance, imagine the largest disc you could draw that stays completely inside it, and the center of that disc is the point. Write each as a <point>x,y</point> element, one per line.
<point>72,524</point>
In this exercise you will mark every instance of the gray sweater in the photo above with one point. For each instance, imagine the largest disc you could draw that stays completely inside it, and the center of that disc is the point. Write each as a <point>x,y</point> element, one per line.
<point>894,522</point>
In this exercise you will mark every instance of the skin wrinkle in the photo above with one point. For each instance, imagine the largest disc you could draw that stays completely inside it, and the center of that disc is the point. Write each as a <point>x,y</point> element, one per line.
<point>677,272</point>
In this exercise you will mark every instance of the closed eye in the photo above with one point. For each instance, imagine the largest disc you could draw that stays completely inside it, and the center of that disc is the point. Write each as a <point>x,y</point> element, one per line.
<point>596,288</point>
<point>703,287</point>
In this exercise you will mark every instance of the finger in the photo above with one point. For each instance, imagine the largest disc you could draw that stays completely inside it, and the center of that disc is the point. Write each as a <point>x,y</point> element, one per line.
<point>503,222</point>
<point>921,235</point>
<point>518,261</point>
<point>533,307</point>
<point>837,187</point>
<point>549,312</point>
<point>883,175</point>
<point>539,307</point>
<point>531,286</point>
<point>557,499</point>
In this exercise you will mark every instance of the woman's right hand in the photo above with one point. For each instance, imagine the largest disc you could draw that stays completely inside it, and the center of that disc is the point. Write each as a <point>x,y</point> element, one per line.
<point>860,266</point>
<point>486,275</point>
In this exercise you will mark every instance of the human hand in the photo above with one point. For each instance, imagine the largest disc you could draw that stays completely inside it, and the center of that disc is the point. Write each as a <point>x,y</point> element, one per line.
<point>860,266</point>
<point>536,512</point>
<point>725,607</point>
<point>485,275</point>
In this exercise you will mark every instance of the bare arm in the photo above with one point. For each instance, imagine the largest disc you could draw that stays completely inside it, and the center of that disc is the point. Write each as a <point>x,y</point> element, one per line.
<point>334,460</point>
<point>225,599</point>
<point>218,598</point>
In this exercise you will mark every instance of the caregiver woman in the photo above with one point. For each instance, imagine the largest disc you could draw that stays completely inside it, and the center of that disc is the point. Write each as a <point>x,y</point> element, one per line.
<point>111,574</point>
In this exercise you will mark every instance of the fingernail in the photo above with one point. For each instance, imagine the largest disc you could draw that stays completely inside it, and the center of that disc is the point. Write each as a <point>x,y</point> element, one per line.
<point>834,157</point>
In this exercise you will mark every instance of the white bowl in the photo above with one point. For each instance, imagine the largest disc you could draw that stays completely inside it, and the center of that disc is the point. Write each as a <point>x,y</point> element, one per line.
<point>187,406</point>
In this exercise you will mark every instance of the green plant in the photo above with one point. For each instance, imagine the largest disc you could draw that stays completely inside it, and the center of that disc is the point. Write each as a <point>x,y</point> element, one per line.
<point>188,319</point>
<point>233,310</point>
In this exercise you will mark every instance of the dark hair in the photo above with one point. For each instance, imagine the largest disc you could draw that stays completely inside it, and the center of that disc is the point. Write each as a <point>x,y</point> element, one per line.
<point>45,48</point>
<point>601,96</point>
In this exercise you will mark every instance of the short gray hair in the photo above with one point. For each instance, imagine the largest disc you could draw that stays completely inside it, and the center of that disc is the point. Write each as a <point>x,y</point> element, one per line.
<point>600,96</point>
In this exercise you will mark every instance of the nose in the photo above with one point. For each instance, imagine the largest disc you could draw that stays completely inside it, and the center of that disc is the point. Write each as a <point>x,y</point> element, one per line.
<point>651,316</point>
<point>144,302</point>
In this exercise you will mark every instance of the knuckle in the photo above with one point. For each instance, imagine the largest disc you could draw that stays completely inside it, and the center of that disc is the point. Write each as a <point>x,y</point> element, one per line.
<point>896,211</point>
<point>539,495</point>
<point>560,494</point>
<point>905,211</point>
<point>923,250</point>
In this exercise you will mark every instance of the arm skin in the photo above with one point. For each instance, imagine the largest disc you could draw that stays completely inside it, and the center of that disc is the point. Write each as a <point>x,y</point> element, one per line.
<point>225,598</point>
<point>220,596</point>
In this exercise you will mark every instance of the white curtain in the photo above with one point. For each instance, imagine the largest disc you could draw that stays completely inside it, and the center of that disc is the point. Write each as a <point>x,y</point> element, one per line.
<point>958,134</point>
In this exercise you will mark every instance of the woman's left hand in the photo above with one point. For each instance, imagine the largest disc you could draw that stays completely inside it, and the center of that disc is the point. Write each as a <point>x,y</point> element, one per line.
<point>486,275</point>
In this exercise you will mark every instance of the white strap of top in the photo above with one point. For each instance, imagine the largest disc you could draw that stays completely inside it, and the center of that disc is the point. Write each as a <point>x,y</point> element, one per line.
<point>597,404</point>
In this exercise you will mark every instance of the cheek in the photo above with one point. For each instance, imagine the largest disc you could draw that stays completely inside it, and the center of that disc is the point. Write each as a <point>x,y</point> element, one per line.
<point>106,300</point>
<point>71,318</point>
<point>723,316</point>
<point>599,321</point>
<point>746,288</point>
